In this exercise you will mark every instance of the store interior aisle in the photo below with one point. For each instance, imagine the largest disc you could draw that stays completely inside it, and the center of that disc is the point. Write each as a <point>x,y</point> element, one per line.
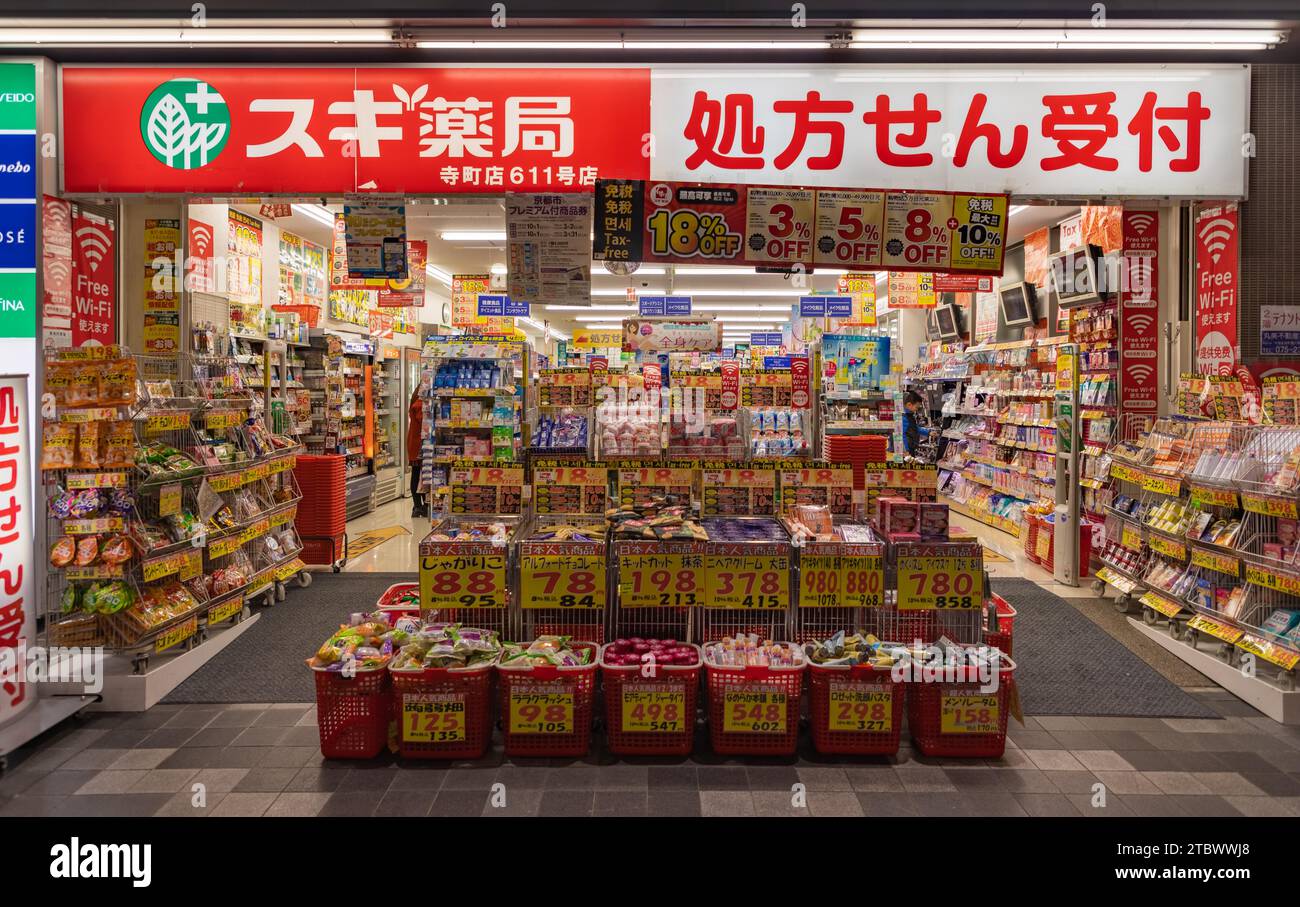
<point>400,554</point>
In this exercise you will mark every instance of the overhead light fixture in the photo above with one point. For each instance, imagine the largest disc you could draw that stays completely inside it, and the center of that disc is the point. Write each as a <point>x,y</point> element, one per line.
<point>747,272</point>
<point>598,268</point>
<point>1083,38</point>
<point>622,45</point>
<point>437,273</point>
<point>590,308</point>
<point>746,292</point>
<point>473,236</point>
<point>318,213</point>
<point>57,36</point>
<point>499,268</point>
<point>1016,209</point>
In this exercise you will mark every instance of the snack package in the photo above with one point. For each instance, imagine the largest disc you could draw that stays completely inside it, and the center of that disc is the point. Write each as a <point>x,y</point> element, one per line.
<point>60,503</point>
<point>119,445</point>
<point>68,603</point>
<point>62,551</point>
<point>58,377</point>
<point>117,384</point>
<point>87,550</point>
<point>88,443</point>
<point>85,503</point>
<point>83,390</point>
<point>58,445</point>
<point>116,550</point>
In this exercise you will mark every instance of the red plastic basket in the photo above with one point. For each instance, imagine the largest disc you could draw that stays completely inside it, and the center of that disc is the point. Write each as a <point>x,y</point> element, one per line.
<point>450,706</point>
<point>956,719</point>
<point>633,701</point>
<point>754,711</point>
<point>1006,620</point>
<point>322,550</point>
<point>352,713</point>
<point>856,709</point>
<point>391,601</point>
<point>1031,538</point>
<point>546,711</point>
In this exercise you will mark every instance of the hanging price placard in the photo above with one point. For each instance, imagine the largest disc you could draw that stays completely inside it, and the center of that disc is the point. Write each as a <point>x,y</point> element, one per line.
<point>654,708</point>
<point>433,718</point>
<point>577,488</point>
<point>541,709</point>
<point>176,635</point>
<point>940,577</point>
<point>818,484</point>
<point>660,580</point>
<point>861,707</point>
<point>750,582</point>
<point>738,489</point>
<point>450,579</point>
<point>562,580</point>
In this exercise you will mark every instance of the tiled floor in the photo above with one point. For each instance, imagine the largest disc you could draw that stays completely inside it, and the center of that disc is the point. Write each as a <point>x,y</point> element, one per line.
<point>253,760</point>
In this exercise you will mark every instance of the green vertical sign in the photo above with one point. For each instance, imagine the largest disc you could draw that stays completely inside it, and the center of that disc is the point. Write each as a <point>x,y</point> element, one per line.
<point>18,247</point>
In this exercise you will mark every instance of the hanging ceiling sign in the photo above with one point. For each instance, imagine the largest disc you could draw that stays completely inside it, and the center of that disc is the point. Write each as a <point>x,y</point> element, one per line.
<point>375,241</point>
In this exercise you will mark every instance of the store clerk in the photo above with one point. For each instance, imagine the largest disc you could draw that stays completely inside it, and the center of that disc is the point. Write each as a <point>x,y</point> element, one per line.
<point>912,403</point>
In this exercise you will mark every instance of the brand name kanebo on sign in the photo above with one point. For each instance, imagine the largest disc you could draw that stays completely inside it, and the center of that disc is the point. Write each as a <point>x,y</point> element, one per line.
<point>75,860</point>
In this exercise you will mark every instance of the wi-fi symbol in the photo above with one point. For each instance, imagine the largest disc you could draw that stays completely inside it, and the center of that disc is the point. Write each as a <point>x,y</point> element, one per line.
<point>1140,372</point>
<point>202,237</point>
<point>94,242</point>
<point>1141,322</point>
<point>1141,222</point>
<point>56,273</point>
<point>1215,235</point>
<point>1225,368</point>
<point>56,217</point>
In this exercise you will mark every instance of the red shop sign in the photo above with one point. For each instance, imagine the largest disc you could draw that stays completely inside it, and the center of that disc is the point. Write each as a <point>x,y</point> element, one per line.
<point>1216,289</point>
<point>411,130</point>
<point>1139,346</point>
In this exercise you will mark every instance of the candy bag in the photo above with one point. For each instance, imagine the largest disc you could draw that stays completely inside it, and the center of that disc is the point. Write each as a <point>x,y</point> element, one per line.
<point>119,445</point>
<point>87,551</point>
<point>62,550</point>
<point>88,439</point>
<point>58,445</point>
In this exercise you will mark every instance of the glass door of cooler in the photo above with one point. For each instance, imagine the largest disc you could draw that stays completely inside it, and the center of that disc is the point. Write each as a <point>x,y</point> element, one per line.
<point>411,369</point>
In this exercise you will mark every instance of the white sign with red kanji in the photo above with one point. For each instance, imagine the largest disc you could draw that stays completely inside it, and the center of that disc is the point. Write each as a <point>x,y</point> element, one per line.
<point>1088,130</point>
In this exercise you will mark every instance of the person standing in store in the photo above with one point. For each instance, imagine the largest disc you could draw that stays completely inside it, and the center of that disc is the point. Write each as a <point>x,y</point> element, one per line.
<point>414,448</point>
<point>912,403</point>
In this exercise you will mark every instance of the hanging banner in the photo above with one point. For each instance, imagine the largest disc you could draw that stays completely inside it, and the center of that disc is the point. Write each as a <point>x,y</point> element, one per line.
<point>683,223</point>
<point>671,335</point>
<point>587,339</point>
<point>730,397</point>
<point>800,398</point>
<point>549,239</point>
<point>375,240</point>
<point>56,264</point>
<point>1139,344</point>
<point>962,283</point>
<point>862,287</point>
<point>1071,232</point>
<point>465,291</point>
<point>162,306</point>
<point>1217,277</point>
<point>986,317</point>
<point>200,266</point>
<point>17,602</point>
<point>94,280</point>
<point>911,290</point>
<point>408,291</point>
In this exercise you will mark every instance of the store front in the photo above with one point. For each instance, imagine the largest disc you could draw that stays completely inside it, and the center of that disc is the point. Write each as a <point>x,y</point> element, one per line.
<point>711,363</point>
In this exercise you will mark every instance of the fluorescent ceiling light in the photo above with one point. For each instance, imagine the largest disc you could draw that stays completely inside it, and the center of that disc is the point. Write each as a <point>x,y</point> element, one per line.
<point>473,236</point>
<point>318,213</point>
<point>622,45</point>
<point>233,36</point>
<point>598,268</point>
<point>740,293</point>
<point>1016,209</point>
<point>1084,38</point>
<point>437,273</point>
<point>590,308</point>
<point>499,268</point>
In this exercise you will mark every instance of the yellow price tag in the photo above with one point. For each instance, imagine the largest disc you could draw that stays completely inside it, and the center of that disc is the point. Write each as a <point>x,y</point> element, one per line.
<point>754,710</point>
<point>539,710</point>
<point>1125,473</point>
<point>1274,654</point>
<point>1131,538</point>
<point>284,571</point>
<point>1268,506</point>
<point>562,581</point>
<point>860,707</point>
<point>660,581</point>
<point>1161,604</point>
<point>1167,547</point>
<point>862,581</point>
<point>1213,628</point>
<point>1043,544</point>
<point>463,581</point>
<point>163,566</point>
<point>749,582</point>
<point>225,610</point>
<point>1271,579</point>
<point>654,708</point>
<point>433,718</point>
<point>1204,497</point>
<point>969,714</point>
<point>177,634</point>
<point>940,583</point>
<point>1213,560</point>
<point>169,500</point>
<point>191,564</point>
<point>820,581</point>
<point>1169,485</point>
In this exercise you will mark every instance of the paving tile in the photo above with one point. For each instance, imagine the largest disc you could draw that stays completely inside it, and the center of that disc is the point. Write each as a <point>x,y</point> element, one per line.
<point>1245,762</point>
<point>780,777</point>
<point>1103,761</point>
<point>301,735</point>
<point>288,717</point>
<point>1228,783</point>
<point>378,781</point>
<point>406,803</point>
<point>1275,784</point>
<point>107,782</point>
<point>627,803</point>
<point>1051,723</point>
<point>1201,725</point>
<point>1168,740</point>
<point>168,737</point>
<point>518,802</point>
<point>233,718</point>
<point>460,803</point>
<point>297,804</point>
<point>141,758</point>
<point>219,779</point>
<point>113,805</point>
<point>164,781</point>
<point>1212,806</point>
<point>618,777</point>
<point>726,803</point>
<point>1113,808</point>
<point>476,780</point>
<point>243,805</point>
<point>924,779</point>
<point>723,778</point>
<point>872,779</point>
<point>1073,782</point>
<point>1260,806</point>
<point>1194,761</point>
<point>261,736</point>
<point>1079,740</point>
<point>566,803</point>
<point>1125,740</point>
<point>33,806</point>
<point>93,758</point>
<point>1024,781</point>
<point>1152,805</point>
<point>418,779</point>
<point>195,718</point>
<point>824,778</point>
<point>324,779</point>
<point>181,805</point>
<point>211,736</point>
<point>974,778</point>
<point>1046,804</point>
<point>950,804</point>
<point>834,803</point>
<point>1054,760</point>
<point>238,756</point>
<point>886,804</point>
<point>672,777</point>
<point>122,738</point>
<point>349,805</point>
<point>993,804</point>
<point>774,804</point>
<point>1128,783</point>
<point>289,756</point>
<point>1176,782</point>
<point>668,801</point>
<point>1011,759</point>
<point>1042,740</point>
<point>1287,761</point>
<point>268,780</point>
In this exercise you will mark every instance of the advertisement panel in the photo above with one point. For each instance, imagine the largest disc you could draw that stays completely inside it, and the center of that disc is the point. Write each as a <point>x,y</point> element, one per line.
<point>1217,277</point>
<point>94,280</point>
<point>17,611</point>
<point>549,239</point>
<point>1139,338</point>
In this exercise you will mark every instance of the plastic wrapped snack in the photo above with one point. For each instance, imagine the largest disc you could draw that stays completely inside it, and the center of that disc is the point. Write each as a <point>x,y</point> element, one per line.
<point>60,503</point>
<point>545,650</point>
<point>88,445</point>
<point>115,550</point>
<point>119,445</point>
<point>58,445</point>
<point>117,384</point>
<point>87,551</point>
<point>68,602</point>
<point>86,503</point>
<point>120,502</point>
<point>62,551</point>
<point>83,389</point>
